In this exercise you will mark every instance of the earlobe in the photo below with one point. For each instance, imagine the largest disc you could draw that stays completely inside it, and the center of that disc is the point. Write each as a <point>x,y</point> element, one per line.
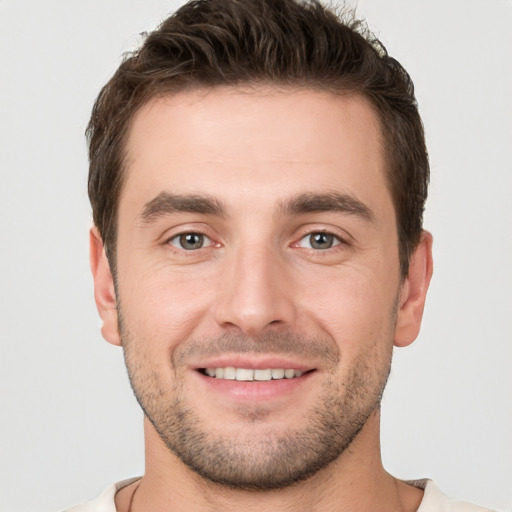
<point>413,292</point>
<point>104,291</point>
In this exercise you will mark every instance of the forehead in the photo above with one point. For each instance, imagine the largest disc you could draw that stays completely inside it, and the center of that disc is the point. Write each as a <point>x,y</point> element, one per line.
<point>265,142</point>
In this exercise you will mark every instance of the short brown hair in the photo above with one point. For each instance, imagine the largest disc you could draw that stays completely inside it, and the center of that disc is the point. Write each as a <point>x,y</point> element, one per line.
<point>209,43</point>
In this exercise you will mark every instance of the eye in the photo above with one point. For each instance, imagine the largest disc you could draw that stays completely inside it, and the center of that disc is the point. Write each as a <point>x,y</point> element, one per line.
<point>319,241</point>
<point>190,241</point>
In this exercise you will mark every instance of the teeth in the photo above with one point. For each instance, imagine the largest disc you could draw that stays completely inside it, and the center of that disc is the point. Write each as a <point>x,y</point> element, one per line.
<point>263,374</point>
<point>229,373</point>
<point>277,373</point>
<point>243,374</point>
<point>247,374</point>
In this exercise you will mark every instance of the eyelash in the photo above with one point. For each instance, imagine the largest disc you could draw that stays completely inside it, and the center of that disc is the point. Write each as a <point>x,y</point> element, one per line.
<point>177,241</point>
<point>335,239</point>
<point>180,237</point>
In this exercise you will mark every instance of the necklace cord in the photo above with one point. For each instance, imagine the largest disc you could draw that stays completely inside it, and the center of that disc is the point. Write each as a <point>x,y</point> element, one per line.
<point>133,496</point>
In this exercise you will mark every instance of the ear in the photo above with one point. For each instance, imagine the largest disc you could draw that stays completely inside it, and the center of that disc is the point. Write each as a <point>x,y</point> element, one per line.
<point>104,291</point>
<point>413,292</point>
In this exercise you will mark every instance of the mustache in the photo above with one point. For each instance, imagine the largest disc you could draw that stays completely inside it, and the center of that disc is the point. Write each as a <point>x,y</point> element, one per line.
<point>309,348</point>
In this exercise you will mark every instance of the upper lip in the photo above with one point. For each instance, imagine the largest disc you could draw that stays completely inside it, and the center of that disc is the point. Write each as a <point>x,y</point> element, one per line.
<point>253,362</point>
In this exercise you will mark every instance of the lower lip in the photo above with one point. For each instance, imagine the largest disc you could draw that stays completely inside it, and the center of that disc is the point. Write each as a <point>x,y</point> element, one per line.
<point>254,390</point>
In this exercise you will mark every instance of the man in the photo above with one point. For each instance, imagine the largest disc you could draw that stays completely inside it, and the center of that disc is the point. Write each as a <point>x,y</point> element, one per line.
<point>258,175</point>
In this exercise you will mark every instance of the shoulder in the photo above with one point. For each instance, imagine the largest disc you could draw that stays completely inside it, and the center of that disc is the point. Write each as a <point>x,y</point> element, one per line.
<point>105,502</point>
<point>435,501</point>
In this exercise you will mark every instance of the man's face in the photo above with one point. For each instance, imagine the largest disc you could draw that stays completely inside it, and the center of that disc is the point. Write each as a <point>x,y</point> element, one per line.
<point>256,238</point>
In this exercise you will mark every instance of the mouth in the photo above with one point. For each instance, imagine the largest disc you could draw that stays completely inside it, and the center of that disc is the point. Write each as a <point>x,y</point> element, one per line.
<point>252,375</point>
<point>253,380</point>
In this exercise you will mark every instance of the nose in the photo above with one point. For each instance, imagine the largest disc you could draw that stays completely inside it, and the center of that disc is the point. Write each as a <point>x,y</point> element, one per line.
<point>256,293</point>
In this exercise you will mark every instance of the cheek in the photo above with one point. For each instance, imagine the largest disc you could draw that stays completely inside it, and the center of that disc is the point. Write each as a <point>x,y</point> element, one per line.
<point>351,305</point>
<point>162,305</point>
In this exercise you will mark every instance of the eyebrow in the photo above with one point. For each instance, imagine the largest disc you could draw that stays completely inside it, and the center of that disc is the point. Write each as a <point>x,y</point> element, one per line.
<point>327,202</point>
<point>166,203</point>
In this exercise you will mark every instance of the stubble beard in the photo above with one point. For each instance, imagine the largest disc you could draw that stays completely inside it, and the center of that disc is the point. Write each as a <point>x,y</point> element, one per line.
<point>260,457</point>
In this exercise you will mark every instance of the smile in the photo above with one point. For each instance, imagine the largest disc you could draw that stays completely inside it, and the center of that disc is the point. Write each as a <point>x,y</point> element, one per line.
<point>248,374</point>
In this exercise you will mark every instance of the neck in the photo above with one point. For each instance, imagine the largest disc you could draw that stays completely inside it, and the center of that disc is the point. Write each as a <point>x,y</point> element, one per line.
<point>355,481</point>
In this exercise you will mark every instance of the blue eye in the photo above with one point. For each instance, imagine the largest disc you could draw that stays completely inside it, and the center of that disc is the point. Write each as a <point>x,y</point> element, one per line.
<point>319,241</point>
<point>190,241</point>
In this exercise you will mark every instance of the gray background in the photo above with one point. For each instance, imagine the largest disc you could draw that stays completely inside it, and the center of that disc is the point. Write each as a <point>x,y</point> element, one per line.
<point>69,424</point>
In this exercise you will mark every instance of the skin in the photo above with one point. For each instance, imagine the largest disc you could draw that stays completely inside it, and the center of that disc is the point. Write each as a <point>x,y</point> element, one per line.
<point>257,279</point>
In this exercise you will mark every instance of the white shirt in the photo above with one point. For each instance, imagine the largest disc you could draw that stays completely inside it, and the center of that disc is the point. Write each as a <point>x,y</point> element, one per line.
<point>433,500</point>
